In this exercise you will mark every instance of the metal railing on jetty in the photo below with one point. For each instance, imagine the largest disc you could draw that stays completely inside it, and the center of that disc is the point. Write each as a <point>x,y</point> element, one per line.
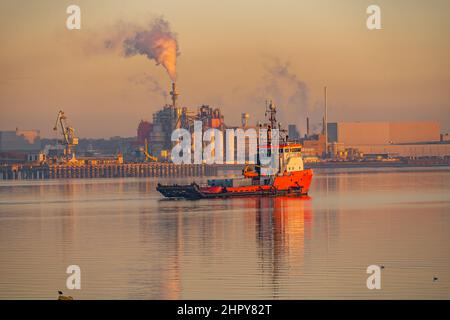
<point>40,172</point>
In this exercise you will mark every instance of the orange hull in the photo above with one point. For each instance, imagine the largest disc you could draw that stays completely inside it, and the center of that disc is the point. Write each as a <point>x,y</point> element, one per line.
<point>293,184</point>
<point>294,179</point>
<point>299,181</point>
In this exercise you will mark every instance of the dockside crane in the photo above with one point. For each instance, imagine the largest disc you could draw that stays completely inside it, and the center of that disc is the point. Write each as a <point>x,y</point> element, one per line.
<point>148,156</point>
<point>68,133</point>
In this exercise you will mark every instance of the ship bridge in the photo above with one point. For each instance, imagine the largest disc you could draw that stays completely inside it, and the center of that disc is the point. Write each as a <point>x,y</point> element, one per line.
<point>290,158</point>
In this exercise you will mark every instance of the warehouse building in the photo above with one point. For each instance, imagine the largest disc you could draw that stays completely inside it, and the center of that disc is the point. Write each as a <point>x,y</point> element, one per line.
<point>381,133</point>
<point>20,140</point>
<point>397,139</point>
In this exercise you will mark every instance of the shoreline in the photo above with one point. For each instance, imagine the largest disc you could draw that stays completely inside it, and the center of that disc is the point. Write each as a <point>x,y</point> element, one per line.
<point>344,165</point>
<point>166,170</point>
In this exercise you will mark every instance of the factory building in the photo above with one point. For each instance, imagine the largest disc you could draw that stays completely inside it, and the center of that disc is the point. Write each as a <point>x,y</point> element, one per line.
<point>143,132</point>
<point>211,118</point>
<point>158,133</point>
<point>164,121</point>
<point>396,139</point>
<point>170,118</point>
<point>314,145</point>
<point>381,133</point>
<point>20,140</point>
<point>293,133</point>
<point>15,146</point>
<point>418,150</point>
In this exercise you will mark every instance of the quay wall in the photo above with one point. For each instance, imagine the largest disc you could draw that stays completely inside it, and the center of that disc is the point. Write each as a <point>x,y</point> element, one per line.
<point>41,172</point>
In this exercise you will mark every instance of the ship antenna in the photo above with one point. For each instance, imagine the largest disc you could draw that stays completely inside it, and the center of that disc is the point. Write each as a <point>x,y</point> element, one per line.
<point>272,111</point>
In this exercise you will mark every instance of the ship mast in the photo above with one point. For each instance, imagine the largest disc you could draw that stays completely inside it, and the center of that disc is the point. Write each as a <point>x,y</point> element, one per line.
<point>271,110</point>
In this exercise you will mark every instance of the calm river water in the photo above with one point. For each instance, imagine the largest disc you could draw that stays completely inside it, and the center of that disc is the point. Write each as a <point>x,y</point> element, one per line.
<point>132,244</point>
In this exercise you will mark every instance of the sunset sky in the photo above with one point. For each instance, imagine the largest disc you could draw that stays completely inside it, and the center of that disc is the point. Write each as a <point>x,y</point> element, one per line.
<point>234,54</point>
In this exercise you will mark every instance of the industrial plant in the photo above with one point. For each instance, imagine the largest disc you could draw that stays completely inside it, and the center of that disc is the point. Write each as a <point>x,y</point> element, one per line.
<point>25,155</point>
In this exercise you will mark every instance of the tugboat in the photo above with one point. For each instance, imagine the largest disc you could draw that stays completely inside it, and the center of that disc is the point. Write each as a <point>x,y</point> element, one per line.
<point>290,178</point>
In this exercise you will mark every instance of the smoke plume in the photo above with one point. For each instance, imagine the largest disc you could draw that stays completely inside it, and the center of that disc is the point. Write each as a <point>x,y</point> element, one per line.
<point>288,92</point>
<point>157,43</point>
<point>151,83</point>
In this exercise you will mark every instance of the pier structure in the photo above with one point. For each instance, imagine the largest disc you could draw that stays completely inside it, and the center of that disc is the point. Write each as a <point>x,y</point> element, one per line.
<point>155,169</point>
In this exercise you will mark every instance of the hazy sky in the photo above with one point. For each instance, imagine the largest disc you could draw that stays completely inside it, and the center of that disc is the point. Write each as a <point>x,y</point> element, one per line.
<point>234,54</point>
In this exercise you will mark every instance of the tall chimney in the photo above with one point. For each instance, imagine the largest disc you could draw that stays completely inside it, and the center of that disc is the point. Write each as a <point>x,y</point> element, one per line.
<point>325,120</point>
<point>307,126</point>
<point>174,95</point>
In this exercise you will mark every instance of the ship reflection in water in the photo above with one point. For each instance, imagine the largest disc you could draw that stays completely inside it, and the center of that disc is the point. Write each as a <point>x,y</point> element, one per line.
<point>282,226</point>
<point>130,243</point>
<point>207,248</point>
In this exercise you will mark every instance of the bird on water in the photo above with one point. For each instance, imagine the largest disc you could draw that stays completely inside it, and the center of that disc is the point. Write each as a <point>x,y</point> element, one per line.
<point>63,297</point>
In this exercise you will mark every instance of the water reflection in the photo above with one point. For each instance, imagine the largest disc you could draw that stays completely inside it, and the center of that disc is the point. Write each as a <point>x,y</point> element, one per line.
<point>131,244</point>
<point>282,225</point>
